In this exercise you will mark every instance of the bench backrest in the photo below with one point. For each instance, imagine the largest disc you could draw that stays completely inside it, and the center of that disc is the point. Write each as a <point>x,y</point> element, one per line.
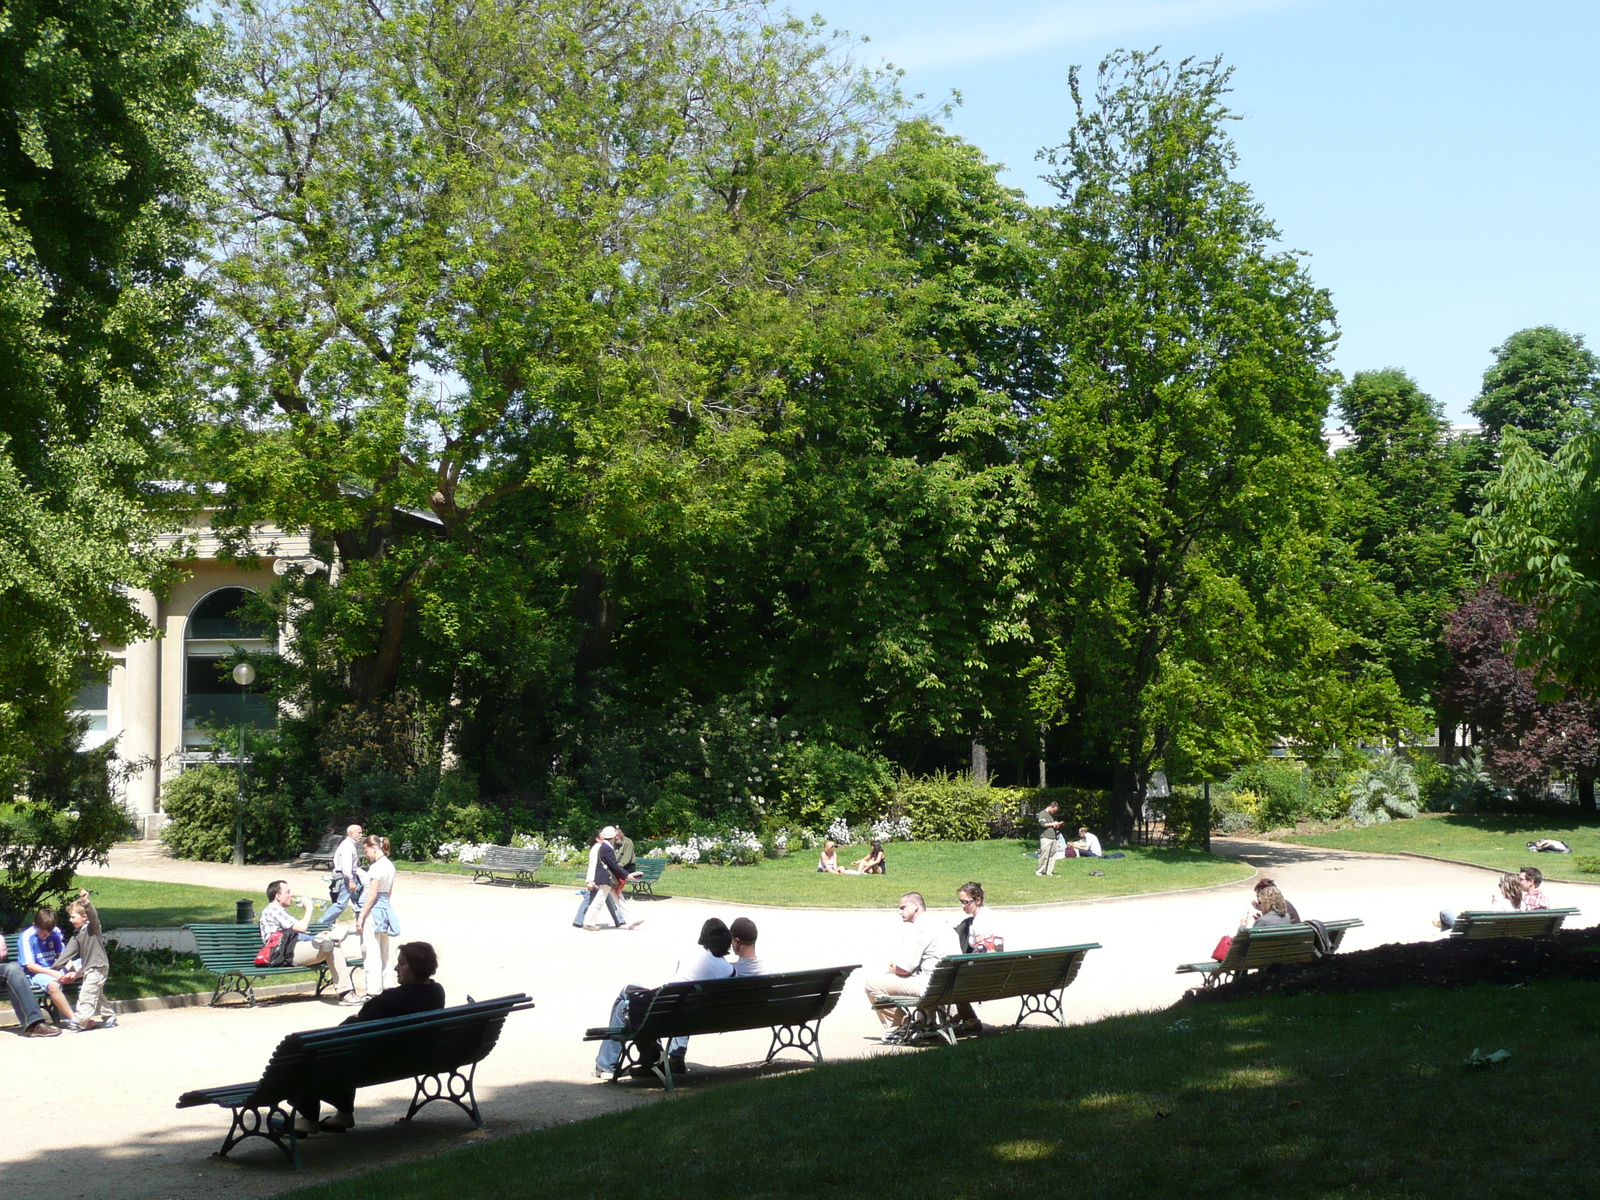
<point>750,1002</point>
<point>973,978</point>
<point>521,858</point>
<point>1276,944</point>
<point>650,868</point>
<point>371,1052</point>
<point>1492,923</point>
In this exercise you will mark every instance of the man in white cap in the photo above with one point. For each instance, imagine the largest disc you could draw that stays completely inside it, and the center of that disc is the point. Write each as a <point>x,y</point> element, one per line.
<point>608,879</point>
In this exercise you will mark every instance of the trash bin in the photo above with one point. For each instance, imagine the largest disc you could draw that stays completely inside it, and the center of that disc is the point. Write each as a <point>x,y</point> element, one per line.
<point>246,914</point>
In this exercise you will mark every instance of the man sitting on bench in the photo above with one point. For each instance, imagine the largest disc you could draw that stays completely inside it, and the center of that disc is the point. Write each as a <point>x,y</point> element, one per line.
<point>708,960</point>
<point>923,942</point>
<point>745,963</point>
<point>415,968</point>
<point>307,951</point>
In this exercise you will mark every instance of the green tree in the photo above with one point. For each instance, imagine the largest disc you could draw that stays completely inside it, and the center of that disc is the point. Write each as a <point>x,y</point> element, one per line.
<point>1399,477</point>
<point>97,184</point>
<point>1180,468</point>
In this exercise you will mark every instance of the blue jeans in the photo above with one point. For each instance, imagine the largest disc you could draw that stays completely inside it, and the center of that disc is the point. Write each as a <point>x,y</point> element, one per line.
<point>24,1000</point>
<point>345,900</point>
<point>583,903</point>
<point>610,1049</point>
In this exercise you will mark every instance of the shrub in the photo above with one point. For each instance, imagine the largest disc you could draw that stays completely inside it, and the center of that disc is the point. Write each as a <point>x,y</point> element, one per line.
<point>1385,790</point>
<point>823,782</point>
<point>1468,787</point>
<point>945,808</point>
<point>1014,809</point>
<point>1287,790</point>
<point>1185,815</point>
<point>199,807</point>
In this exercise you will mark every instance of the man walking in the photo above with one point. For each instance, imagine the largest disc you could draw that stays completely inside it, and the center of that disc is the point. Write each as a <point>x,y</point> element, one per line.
<point>344,874</point>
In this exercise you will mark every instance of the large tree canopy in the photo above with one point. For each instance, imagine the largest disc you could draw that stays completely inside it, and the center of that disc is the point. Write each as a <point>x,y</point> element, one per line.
<point>1180,466</point>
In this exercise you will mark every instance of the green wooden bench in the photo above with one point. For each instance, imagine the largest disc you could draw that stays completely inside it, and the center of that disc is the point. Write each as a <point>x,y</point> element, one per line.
<point>1488,923</point>
<point>1036,977</point>
<point>1260,947</point>
<point>517,862</point>
<point>439,1050</point>
<point>229,952</point>
<point>792,1005</point>
<point>323,854</point>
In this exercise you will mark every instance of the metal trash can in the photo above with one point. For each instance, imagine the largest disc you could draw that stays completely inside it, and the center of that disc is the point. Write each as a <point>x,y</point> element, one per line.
<point>246,914</point>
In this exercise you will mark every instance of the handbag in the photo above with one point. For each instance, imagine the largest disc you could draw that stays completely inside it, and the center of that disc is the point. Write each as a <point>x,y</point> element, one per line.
<point>1223,946</point>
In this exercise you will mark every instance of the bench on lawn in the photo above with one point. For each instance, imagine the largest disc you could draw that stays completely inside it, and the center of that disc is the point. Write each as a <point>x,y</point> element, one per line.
<point>439,1050</point>
<point>1488,923</point>
<point>792,1005</point>
<point>1037,977</point>
<point>1260,947</point>
<point>649,870</point>
<point>322,856</point>
<point>229,952</point>
<point>518,862</point>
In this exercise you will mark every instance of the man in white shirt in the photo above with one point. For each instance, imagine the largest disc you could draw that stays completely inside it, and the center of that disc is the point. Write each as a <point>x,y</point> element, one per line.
<point>745,963</point>
<point>923,942</point>
<point>344,874</point>
<point>594,878</point>
<point>1087,845</point>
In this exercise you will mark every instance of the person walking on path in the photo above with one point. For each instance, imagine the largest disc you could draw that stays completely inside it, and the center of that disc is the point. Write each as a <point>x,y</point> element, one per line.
<point>345,877</point>
<point>595,881</point>
<point>1048,844</point>
<point>24,1000</point>
<point>609,879</point>
<point>376,923</point>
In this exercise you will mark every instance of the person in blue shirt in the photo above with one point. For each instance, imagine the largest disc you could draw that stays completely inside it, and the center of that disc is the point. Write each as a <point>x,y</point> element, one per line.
<point>37,951</point>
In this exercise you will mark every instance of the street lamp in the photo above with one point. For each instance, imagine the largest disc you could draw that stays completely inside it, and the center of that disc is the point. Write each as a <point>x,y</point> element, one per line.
<point>244,675</point>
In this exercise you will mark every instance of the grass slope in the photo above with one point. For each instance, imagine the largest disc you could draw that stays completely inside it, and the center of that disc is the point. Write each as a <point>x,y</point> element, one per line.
<point>936,869</point>
<point>1498,840</point>
<point>138,902</point>
<point>1365,1095</point>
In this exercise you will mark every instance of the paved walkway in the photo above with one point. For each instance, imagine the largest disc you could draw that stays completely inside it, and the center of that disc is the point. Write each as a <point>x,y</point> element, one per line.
<point>109,1128</point>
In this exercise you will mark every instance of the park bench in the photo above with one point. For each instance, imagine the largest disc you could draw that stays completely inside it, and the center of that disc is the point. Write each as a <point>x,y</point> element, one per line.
<point>649,870</point>
<point>11,956</point>
<point>1260,947</point>
<point>229,952</point>
<point>792,1005</point>
<point>322,856</point>
<point>518,862</point>
<point>1486,923</point>
<point>1037,977</point>
<point>439,1050</point>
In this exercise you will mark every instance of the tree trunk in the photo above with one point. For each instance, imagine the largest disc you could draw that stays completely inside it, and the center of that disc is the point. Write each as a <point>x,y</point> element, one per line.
<point>1447,742</point>
<point>1586,793</point>
<point>1044,770</point>
<point>980,763</point>
<point>373,676</point>
<point>597,612</point>
<point>1127,797</point>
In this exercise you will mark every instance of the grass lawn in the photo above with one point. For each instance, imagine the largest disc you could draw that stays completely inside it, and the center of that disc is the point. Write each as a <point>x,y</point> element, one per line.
<point>936,869</point>
<point>1498,840</point>
<point>137,902</point>
<point>1365,1095</point>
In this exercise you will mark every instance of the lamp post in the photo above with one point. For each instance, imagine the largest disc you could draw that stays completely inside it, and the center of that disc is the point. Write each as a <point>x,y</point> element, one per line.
<point>244,675</point>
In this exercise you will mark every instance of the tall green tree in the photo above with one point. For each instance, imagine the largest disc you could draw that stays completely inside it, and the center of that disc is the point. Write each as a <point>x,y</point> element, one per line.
<point>1399,477</point>
<point>97,190</point>
<point>1179,466</point>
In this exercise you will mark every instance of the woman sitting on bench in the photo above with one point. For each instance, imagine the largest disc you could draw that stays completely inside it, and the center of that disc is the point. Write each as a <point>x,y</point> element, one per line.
<point>415,967</point>
<point>1507,899</point>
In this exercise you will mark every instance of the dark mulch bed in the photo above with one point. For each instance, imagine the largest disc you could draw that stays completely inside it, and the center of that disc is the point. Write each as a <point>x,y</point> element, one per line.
<point>1449,962</point>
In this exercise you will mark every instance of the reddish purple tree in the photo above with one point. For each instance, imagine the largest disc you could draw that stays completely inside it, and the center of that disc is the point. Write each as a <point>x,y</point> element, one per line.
<point>1522,739</point>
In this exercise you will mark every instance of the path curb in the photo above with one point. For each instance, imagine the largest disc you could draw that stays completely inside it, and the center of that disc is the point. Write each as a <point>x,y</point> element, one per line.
<point>200,999</point>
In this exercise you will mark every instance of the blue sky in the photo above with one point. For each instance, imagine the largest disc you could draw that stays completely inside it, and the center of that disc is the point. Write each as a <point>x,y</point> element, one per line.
<point>1437,160</point>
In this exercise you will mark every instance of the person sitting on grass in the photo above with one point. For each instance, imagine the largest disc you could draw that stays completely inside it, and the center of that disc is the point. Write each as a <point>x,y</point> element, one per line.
<point>91,968</point>
<point>1087,845</point>
<point>874,863</point>
<point>306,951</point>
<point>414,967</point>
<point>24,1000</point>
<point>1532,880</point>
<point>39,952</point>
<point>1508,898</point>
<point>828,860</point>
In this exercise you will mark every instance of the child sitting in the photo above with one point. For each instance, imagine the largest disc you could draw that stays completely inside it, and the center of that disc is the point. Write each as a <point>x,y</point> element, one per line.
<point>87,947</point>
<point>39,954</point>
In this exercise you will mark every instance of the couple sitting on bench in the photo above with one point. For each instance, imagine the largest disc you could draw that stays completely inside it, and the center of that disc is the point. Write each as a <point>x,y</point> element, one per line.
<point>707,960</point>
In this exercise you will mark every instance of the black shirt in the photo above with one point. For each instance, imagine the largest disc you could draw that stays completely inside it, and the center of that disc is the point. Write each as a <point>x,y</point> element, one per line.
<point>401,1001</point>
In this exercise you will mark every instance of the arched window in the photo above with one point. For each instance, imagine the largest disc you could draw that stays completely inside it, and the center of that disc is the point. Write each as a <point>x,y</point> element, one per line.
<point>216,631</point>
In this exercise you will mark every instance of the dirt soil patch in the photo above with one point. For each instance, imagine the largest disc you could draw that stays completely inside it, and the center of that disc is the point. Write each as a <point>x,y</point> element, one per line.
<point>1449,962</point>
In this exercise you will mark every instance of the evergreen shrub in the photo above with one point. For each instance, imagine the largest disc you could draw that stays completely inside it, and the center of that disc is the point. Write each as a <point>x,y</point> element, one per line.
<point>199,806</point>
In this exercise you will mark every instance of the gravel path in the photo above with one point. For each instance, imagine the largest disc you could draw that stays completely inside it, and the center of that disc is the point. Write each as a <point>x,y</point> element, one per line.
<point>109,1129</point>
